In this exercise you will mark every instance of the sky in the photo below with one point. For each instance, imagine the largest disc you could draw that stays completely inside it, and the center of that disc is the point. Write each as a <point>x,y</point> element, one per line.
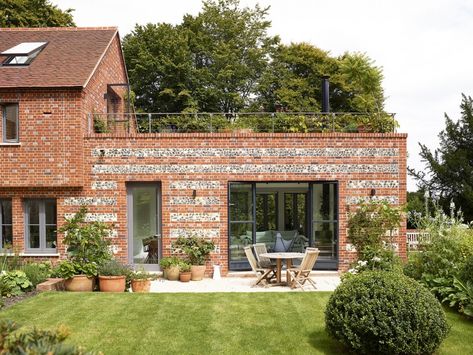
<point>424,47</point>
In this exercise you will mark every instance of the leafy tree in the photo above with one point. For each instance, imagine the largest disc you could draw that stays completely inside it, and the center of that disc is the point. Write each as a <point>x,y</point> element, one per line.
<point>33,13</point>
<point>449,169</point>
<point>160,67</point>
<point>224,60</point>
<point>209,62</point>
<point>292,81</point>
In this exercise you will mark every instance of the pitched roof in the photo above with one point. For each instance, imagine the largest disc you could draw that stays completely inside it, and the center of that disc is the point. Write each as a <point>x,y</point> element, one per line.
<point>68,60</point>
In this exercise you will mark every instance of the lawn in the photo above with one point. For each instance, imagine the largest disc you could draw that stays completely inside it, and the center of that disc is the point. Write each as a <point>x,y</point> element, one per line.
<point>229,323</point>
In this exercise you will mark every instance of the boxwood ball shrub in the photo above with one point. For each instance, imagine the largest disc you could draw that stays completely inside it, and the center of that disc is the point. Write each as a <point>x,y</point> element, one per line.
<point>379,312</point>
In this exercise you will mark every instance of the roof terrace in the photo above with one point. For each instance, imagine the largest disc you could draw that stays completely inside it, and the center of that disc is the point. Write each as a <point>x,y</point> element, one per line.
<point>247,122</point>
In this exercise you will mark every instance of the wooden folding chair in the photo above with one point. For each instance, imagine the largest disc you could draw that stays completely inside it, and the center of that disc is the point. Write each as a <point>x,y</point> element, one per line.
<point>260,248</point>
<point>298,276</point>
<point>263,274</point>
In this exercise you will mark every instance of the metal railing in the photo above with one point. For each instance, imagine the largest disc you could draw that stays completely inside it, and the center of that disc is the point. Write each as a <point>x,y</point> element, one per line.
<point>266,122</point>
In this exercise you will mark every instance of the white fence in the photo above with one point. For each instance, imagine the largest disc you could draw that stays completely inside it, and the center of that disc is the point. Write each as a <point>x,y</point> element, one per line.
<point>416,238</point>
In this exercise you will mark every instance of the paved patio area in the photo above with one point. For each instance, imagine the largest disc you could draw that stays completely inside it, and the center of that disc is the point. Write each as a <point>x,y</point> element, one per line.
<point>325,282</point>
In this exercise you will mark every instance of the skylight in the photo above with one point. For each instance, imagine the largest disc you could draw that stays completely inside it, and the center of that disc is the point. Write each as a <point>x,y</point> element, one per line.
<point>23,53</point>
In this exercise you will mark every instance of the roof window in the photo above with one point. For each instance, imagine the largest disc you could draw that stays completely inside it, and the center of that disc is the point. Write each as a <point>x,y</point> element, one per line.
<point>23,53</point>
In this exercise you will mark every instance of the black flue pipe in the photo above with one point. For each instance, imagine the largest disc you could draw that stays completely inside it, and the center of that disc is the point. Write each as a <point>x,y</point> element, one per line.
<point>325,94</point>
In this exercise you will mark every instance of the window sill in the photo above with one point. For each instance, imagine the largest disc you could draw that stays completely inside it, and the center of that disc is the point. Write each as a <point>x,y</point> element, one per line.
<point>31,254</point>
<point>6,144</point>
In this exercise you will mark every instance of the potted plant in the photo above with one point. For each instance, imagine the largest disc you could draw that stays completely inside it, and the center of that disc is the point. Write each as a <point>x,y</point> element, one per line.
<point>197,250</point>
<point>141,281</point>
<point>87,248</point>
<point>185,271</point>
<point>112,276</point>
<point>77,277</point>
<point>170,266</point>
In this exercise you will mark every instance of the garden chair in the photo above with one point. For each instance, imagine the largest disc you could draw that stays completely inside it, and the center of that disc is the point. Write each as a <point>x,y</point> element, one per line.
<point>260,248</point>
<point>298,276</point>
<point>263,274</point>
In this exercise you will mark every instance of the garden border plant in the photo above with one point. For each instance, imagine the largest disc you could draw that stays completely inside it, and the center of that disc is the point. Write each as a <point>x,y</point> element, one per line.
<point>88,247</point>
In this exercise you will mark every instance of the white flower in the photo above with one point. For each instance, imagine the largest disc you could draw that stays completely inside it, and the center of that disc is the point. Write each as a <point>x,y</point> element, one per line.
<point>376,259</point>
<point>362,262</point>
<point>353,271</point>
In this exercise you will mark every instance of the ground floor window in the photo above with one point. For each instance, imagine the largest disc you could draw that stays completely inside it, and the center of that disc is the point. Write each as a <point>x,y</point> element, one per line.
<point>6,228</point>
<point>40,225</point>
<point>286,216</point>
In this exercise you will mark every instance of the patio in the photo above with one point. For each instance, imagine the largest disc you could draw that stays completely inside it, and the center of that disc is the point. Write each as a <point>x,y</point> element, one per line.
<point>242,282</point>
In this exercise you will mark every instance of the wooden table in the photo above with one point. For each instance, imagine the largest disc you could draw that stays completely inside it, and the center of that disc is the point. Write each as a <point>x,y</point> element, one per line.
<point>279,258</point>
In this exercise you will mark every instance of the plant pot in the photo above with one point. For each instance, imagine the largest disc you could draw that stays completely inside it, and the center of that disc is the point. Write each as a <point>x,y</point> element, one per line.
<point>112,283</point>
<point>140,286</point>
<point>198,272</point>
<point>173,273</point>
<point>185,276</point>
<point>165,274</point>
<point>80,283</point>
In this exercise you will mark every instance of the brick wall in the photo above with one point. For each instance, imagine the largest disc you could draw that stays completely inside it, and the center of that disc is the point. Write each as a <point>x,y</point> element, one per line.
<point>358,162</point>
<point>49,152</point>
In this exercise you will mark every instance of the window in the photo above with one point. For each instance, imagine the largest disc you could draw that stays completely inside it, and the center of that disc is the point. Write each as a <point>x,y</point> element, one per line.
<point>10,123</point>
<point>22,54</point>
<point>6,230</point>
<point>40,225</point>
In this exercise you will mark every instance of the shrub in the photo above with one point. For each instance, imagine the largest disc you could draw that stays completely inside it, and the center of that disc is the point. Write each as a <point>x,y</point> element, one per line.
<point>385,313</point>
<point>169,261</point>
<point>86,242</point>
<point>14,283</point>
<point>142,275</point>
<point>37,272</point>
<point>114,268</point>
<point>466,272</point>
<point>367,227</point>
<point>67,269</point>
<point>380,259</point>
<point>197,249</point>
<point>15,340</point>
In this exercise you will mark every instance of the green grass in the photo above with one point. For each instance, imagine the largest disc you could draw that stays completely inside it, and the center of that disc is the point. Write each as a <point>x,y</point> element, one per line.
<point>228,323</point>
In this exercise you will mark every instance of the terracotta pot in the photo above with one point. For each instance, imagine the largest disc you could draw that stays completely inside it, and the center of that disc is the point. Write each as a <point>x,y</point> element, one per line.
<point>165,274</point>
<point>173,273</point>
<point>112,283</point>
<point>140,285</point>
<point>185,276</point>
<point>197,272</point>
<point>80,283</point>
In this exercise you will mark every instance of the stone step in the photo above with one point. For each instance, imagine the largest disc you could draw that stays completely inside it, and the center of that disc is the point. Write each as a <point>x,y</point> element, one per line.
<point>51,284</point>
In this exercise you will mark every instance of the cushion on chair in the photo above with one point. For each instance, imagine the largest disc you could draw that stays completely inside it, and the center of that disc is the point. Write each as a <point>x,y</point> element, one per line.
<point>282,245</point>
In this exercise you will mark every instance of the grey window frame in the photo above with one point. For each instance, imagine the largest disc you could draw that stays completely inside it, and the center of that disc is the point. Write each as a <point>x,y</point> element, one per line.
<point>5,224</point>
<point>4,123</point>
<point>42,226</point>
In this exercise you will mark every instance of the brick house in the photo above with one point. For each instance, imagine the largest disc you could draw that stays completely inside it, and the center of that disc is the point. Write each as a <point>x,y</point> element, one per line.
<point>288,190</point>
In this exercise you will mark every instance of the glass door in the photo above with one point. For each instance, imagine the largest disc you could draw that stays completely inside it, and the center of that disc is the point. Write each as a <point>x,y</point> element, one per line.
<point>325,224</point>
<point>144,224</point>
<point>241,223</point>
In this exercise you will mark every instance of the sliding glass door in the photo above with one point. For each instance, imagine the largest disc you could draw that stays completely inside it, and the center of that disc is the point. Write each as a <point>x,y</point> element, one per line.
<point>286,216</point>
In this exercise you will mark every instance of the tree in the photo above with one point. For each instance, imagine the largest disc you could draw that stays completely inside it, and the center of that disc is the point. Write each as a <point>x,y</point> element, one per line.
<point>224,60</point>
<point>292,81</point>
<point>160,68</point>
<point>33,13</point>
<point>209,62</point>
<point>449,169</point>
